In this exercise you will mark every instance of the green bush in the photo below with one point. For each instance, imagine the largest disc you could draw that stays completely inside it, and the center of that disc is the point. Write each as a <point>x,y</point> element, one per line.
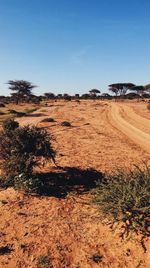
<point>21,149</point>
<point>125,197</point>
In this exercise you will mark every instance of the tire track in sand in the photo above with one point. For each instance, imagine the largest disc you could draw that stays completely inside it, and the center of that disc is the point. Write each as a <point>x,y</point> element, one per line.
<point>137,135</point>
<point>140,122</point>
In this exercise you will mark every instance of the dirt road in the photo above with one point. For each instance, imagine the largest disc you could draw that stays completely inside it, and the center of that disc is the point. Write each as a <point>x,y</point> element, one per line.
<point>132,125</point>
<point>122,116</point>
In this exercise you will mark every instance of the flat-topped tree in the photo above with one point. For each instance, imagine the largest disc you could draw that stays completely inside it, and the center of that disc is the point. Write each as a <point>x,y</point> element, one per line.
<point>120,88</point>
<point>114,90</point>
<point>94,92</point>
<point>147,88</point>
<point>21,88</point>
<point>138,89</point>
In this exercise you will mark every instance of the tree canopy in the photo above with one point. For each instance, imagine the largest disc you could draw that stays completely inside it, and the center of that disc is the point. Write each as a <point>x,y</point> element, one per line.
<point>138,89</point>
<point>120,88</point>
<point>21,87</point>
<point>94,91</point>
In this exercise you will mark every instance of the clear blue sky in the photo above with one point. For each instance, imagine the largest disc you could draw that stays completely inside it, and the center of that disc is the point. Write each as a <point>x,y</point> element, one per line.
<point>74,45</point>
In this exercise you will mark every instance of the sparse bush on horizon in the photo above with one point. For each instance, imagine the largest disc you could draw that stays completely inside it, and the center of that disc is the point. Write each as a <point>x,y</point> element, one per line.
<point>125,198</point>
<point>67,97</point>
<point>21,149</point>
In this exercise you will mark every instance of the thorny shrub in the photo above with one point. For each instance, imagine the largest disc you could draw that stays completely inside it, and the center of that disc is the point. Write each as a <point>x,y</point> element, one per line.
<point>125,197</point>
<point>21,149</point>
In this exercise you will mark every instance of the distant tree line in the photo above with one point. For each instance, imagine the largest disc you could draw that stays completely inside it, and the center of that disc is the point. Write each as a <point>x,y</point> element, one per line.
<point>21,91</point>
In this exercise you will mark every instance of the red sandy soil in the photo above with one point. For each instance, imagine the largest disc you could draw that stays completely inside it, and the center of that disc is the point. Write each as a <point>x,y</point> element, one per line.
<point>69,230</point>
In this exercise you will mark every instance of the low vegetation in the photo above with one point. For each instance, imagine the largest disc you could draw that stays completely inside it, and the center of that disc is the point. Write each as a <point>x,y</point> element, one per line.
<point>16,113</point>
<point>125,198</point>
<point>30,111</point>
<point>43,261</point>
<point>21,149</point>
<point>48,119</point>
<point>22,113</point>
<point>96,258</point>
<point>66,124</point>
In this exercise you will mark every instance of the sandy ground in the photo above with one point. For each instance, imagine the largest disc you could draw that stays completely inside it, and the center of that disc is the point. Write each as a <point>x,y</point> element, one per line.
<point>132,125</point>
<point>67,228</point>
<point>101,133</point>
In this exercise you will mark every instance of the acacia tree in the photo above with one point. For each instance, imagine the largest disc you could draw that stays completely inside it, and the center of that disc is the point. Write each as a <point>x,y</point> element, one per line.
<point>138,89</point>
<point>113,90</point>
<point>20,88</point>
<point>147,88</point>
<point>120,88</point>
<point>94,92</point>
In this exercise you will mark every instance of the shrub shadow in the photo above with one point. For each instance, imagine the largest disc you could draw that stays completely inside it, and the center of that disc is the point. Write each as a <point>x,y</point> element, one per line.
<point>69,179</point>
<point>5,250</point>
<point>35,115</point>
